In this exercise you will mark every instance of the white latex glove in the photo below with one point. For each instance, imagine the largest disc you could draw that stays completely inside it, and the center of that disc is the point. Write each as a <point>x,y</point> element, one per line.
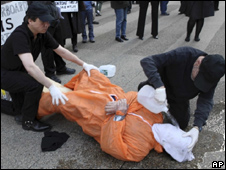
<point>194,134</point>
<point>56,95</point>
<point>89,67</point>
<point>160,95</point>
<point>112,107</point>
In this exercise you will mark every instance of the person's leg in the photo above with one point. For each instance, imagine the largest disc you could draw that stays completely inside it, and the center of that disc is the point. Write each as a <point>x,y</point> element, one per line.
<point>100,5</point>
<point>49,56</point>
<point>141,19</point>
<point>199,25</point>
<point>23,89</point>
<point>98,8</point>
<point>84,35</point>
<point>181,112</point>
<point>48,62</point>
<point>74,41</point>
<point>190,26</point>
<point>90,24</point>
<point>163,7</point>
<point>124,23</point>
<point>216,4</point>
<point>129,7</point>
<point>57,35</point>
<point>154,14</point>
<point>119,19</point>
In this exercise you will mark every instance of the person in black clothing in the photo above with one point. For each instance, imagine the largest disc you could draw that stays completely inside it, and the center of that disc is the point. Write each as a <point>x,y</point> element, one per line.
<point>52,62</point>
<point>197,11</point>
<point>20,76</point>
<point>180,75</point>
<point>142,17</point>
<point>72,25</point>
<point>216,5</point>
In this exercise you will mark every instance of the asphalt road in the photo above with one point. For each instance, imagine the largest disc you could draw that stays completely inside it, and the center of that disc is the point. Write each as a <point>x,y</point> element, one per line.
<point>21,149</point>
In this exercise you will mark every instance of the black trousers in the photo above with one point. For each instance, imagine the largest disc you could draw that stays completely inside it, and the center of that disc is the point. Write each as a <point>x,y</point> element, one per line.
<point>24,90</point>
<point>142,17</point>
<point>180,110</point>
<point>53,62</point>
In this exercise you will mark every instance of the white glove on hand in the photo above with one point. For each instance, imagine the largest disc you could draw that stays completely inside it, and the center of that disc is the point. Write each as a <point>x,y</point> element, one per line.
<point>56,95</point>
<point>160,95</point>
<point>194,134</point>
<point>89,67</point>
<point>112,107</point>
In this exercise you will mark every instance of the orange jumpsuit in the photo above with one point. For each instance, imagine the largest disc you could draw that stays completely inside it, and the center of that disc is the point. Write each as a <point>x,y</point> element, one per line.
<point>130,139</point>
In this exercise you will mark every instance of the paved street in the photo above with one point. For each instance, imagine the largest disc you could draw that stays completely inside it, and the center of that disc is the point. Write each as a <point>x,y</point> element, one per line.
<point>21,149</point>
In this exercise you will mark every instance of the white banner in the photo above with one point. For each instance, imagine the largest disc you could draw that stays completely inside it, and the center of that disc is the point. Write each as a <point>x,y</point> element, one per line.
<point>12,15</point>
<point>67,6</point>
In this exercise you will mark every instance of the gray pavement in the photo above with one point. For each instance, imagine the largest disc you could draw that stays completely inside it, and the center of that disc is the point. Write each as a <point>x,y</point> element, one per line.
<point>22,149</point>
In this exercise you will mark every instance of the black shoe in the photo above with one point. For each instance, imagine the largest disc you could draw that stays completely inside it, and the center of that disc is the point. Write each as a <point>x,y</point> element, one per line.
<point>141,38</point>
<point>18,119</point>
<point>92,40</point>
<point>124,38</point>
<point>75,49</point>
<point>155,37</point>
<point>187,39</point>
<point>84,41</point>
<point>118,39</point>
<point>197,39</point>
<point>95,22</point>
<point>55,78</point>
<point>165,13</point>
<point>67,71</point>
<point>35,125</point>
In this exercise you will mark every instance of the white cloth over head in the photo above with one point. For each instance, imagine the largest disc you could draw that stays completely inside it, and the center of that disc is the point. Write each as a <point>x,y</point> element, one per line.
<point>170,137</point>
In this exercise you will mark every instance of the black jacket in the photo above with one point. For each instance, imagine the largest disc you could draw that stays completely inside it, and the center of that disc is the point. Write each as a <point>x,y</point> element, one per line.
<point>173,70</point>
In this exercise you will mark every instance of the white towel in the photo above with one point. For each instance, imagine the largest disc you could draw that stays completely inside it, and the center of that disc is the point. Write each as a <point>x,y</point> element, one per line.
<point>170,137</point>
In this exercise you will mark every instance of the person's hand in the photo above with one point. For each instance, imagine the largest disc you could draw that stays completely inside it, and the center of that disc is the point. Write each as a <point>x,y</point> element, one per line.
<point>160,95</point>
<point>194,134</point>
<point>112,107</point>
<point>122,105</point>
<point>56,95</point>
<point>89,67</point>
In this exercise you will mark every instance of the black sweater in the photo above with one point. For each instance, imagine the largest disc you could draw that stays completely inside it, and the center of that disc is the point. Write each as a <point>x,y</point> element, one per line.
<point>173,70</point>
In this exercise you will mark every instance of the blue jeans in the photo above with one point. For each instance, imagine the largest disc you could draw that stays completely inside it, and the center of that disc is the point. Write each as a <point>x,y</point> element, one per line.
<point>89,15</point>
<point>163,6</point>
<point>121,21</point>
